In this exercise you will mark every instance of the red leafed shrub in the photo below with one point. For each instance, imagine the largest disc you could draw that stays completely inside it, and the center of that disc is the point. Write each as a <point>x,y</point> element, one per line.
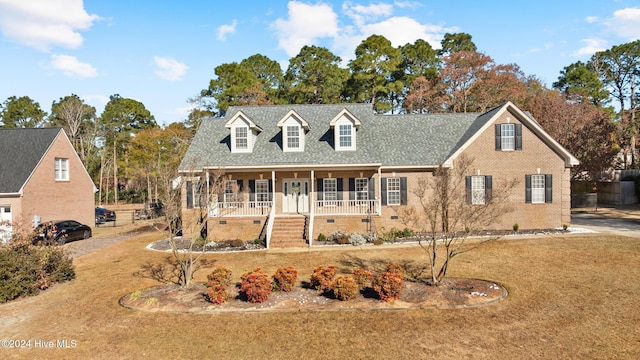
<point>388,285</point>
<point>219,279</point>
<point>255,285</point>
<point>396,268</point>
<point>217,293</point>
<point>220,275</point>
<point>345,288</point>
<point>363,277</point>
<point>321,278</point>
<point>285,278</point>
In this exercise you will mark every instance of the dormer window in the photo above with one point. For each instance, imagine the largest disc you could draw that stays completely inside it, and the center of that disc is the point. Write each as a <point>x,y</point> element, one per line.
<point>243,133</point>
<point>242,140</point>
<point>345,126</point>
<point>293,132</point>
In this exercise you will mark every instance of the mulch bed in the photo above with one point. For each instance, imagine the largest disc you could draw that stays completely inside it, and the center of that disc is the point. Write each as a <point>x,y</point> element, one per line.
<point>452,293</point>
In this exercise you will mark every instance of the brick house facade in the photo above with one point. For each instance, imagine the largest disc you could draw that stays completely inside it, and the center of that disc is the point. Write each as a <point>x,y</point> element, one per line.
<point>42,175</point>
<point>342,167</point>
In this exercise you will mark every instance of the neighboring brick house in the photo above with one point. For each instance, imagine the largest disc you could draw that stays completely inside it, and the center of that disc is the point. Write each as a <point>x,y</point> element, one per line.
<point>343,167</point>
<point>42,175</point>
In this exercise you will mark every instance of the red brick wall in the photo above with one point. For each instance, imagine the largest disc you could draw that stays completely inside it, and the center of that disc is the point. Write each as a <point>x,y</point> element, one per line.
<point>60,200</point>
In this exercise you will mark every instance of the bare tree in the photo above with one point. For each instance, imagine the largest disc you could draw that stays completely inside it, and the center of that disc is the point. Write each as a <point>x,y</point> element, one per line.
<point>449,213</point>
<point>203,189</point>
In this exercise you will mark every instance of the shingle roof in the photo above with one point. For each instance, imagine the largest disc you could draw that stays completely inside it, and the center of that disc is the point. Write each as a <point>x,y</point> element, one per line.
<point>20,152</point>
<point>388,140</point>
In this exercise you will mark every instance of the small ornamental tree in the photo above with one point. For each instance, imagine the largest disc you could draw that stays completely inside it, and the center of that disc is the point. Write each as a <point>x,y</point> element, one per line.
<point>322,278</point>
<point>284,279</point>
<point>255,285</point>
<point>345,287</point>
<point>448,214</point>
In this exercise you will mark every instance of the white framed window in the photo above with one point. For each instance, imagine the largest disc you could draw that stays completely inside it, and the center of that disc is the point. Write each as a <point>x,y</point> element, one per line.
<point>330,191</point>
<point>293,137</point>
<point>262,191</point>
<point>345,135</point>
<point>62,169</point>
<point>393,191</point>
<point>508,136</point>
<point>231,191</point>
<point>537,189</point>
<point>477,190</point>
<point>362,189</point>
<point>242,138</point>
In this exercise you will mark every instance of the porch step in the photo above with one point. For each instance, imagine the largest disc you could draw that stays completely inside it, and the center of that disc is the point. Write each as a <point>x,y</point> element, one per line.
<point>288,232</point>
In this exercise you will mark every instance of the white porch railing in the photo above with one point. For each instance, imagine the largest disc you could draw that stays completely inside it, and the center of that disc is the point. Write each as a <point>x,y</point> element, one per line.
<point>240,208</point>
<point>345,207</point>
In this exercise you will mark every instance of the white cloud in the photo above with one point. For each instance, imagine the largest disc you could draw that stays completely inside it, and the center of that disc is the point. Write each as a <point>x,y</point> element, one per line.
<point>306,24</point>
<point>224,30</point>
<point>403,30</point>
<point>169,69</point>
<point>591,46</point>
<point>42,24</point>
<point>625,23</point>
<point>591,19</point>
<point>70,66</point>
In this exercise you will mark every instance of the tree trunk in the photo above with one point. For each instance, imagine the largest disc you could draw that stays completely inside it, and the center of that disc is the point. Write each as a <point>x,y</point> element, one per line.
<point>115,173</point>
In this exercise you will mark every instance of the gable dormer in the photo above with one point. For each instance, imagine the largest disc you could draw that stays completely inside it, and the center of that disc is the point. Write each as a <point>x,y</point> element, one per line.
<point>243,133</point>
<point>345,126</point>
<point>294,129</point>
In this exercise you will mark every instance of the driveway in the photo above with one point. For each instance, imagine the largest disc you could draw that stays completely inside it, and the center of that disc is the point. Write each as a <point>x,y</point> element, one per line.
<point>624,222</point>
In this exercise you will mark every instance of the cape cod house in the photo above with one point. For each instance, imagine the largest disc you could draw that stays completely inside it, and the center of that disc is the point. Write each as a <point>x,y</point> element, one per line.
<point>41,176</point>
<point>302,170</point>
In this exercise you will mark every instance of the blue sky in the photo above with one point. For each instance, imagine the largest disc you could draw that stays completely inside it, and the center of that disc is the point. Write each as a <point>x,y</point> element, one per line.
<point>162,52</point>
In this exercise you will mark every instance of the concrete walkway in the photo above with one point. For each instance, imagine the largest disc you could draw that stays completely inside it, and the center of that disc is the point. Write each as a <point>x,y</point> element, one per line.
<point>624,221</point>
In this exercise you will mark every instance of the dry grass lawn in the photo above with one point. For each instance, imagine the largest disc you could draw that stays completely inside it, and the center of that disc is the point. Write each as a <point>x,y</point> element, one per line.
<point>572,296</point>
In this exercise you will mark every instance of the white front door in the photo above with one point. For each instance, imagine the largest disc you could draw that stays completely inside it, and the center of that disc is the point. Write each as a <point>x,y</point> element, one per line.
<point>5,223</point>
<point>295,196</point>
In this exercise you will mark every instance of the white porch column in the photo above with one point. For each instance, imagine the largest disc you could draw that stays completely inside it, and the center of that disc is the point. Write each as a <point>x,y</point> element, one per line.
<point>313,206</point>
<point>379,197</point>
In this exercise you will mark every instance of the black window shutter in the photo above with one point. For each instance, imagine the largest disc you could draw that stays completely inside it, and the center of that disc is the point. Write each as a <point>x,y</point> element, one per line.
<point>372,189</point>
<point>383,191</point>
<point>339,188</point>
<point>527,188</point>
<point>548,188</point>
<point>240,185</point>
<point>270,190</point>
<point>498,137</point>
<point>189,190</point>
<point>319,188</point>
<point>518,128</point>
<point>488,188</point>
<point>467,187</point>
<point>352,188</point>
<point>403,191</point>
<point>252,190</point>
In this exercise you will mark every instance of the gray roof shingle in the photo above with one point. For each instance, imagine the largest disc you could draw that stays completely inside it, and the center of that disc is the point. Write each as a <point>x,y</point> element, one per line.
<point>389,140</point>
<point>20,152</point>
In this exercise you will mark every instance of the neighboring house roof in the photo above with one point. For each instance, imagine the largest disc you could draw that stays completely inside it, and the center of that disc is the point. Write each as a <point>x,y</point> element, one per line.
<point>388,141</point>
<point>20,152</point>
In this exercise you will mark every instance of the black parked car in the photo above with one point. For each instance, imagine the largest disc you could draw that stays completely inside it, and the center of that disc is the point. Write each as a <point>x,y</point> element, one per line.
<point>103,215</point>
<point>61,232</point>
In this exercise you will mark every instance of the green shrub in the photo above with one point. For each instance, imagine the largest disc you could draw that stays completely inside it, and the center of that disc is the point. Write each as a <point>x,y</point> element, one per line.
<point>322,278</point>
<point>322,237</point>
<point>285,278</point>
<point>255,285</point>
<point>344,288</point>
<point>516,227</point>
<point>26,269</point>
<point>363,277</point>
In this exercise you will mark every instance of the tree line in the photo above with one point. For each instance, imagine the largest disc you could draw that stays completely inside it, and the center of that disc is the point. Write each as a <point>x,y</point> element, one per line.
<point>124,149</point>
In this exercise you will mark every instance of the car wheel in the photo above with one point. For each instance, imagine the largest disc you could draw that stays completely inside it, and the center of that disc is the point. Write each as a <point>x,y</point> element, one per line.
<point>86,234</point>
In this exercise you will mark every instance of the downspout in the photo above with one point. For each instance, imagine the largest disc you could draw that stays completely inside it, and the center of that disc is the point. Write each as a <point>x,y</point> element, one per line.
<point>313,207</point>
<point>272,212</point>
